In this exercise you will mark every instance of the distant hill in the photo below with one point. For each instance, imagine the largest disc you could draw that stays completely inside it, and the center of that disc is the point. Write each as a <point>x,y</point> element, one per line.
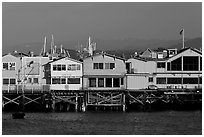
<point>115,46</point>
<point>194,43</point>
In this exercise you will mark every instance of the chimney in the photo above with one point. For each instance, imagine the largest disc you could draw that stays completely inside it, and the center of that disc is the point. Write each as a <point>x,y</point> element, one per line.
<point>31,53</point>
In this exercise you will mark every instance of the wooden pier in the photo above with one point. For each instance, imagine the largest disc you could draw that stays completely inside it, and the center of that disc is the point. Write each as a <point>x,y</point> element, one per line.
<point>84,100</point>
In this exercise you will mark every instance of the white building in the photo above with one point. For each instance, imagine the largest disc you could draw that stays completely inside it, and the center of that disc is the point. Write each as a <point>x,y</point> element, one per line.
<point>64,74</point>
<point>183,70</point>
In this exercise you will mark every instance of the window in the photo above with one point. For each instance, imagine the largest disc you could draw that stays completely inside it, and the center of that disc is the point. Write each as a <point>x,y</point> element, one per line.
<point>12,65</point>
<point>168,66</point>
<point>9,66</point>
<point>100,82</point>
<point>55,80</point>
<point>59,67</point>
<point>54,67</point>
<point>92,82</point>
<point>29,80</point>
<point>190,80</point>
<point>116,82</point>
<point>6,81</point>
<point>73,81</point>
<point>200,63</point>
<point>5,66</point>
<point>13,81</point>
<point>63,81</point>
<point>190,63</point>
<point>161,80</point>
<point>100,65</point>
<point>112,65</point>
<point>73,67</point>
<point>121,81</point>
<point>63,67</point>
<point>35,80</point>
<point>200,80</point>
<point>97,65</point>
<point>176,64</point>
<point>108,82</point>
<point>109,65</point>
<point>161,65</point>
<point>174,81</point>
<point>150,79</point>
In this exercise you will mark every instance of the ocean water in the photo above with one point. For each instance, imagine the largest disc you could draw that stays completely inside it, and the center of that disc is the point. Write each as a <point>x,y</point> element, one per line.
<point>105,123</point>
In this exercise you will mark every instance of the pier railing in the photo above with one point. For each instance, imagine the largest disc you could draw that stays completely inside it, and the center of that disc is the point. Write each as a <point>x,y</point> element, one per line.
<point>25,88</point>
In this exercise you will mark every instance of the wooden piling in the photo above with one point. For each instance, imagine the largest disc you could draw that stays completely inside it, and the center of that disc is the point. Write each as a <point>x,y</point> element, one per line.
<point>76,105</point>
<point>123,102</point>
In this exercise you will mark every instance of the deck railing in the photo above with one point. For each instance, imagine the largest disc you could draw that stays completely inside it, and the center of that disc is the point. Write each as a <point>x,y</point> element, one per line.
<point>25,88</point>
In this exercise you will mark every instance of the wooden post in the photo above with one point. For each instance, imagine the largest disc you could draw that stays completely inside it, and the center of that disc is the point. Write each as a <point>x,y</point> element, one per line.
<point>76,105</point>
<point>53,103</point>
<point>84,103</point>
<point>123,102</point>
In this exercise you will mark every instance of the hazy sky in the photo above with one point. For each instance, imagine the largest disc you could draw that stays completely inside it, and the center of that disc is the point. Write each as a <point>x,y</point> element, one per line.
<point>30,22</point>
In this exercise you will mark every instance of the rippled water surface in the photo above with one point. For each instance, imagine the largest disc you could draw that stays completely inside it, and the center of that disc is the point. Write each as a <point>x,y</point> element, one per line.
<point>105,123</point>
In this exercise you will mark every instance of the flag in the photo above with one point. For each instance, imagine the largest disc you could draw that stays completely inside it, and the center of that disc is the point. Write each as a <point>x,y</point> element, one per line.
<point>181,32</point>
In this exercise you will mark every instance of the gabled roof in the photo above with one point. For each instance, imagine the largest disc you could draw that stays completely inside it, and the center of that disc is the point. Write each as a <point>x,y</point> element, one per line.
<point>194,49</point>
<point>63,58</point>
<point>149,59</point>
<point>18,54</point>
<point>106,54</point>
<point>185,49</point>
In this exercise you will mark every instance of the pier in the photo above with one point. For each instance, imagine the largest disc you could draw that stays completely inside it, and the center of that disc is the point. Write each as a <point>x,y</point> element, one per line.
<point>84,100</point>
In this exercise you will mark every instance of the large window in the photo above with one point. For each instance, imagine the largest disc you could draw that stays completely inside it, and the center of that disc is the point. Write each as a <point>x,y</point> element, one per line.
<point>59,67</point>
<point>73,67</point>
<point>200,63</point>
<point>174,80</point>
<point>9,65</point>
<point>161,65</point>
<point>108,82</point>
<point>161,80</point>
<point>97,65</point>
<point>176,64</point>
<point>190,63</point>
<point>7,81</point>
<point>73,80</point>
<point>190,80</point>
<point>121,81</point>
<point>92,82</point>
<point>58,80</point>
<point>116,82</point>
<point>100,82</point>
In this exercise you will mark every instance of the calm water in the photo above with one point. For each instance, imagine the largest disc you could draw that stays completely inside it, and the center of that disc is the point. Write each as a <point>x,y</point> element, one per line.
<point>103,123</point>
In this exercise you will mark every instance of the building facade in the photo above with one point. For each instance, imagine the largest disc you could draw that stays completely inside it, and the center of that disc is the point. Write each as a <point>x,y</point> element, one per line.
<point>183,70</point>
<point>64,74</point>
<point>104,72</point>
<point>10,71</point>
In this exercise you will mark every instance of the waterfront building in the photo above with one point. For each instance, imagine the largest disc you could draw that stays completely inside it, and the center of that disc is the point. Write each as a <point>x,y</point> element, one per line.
<point>103,71</point>
<point>64,74</point>
<point>32,72</point>
<point>182,70</point>
<point>10,71</point>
